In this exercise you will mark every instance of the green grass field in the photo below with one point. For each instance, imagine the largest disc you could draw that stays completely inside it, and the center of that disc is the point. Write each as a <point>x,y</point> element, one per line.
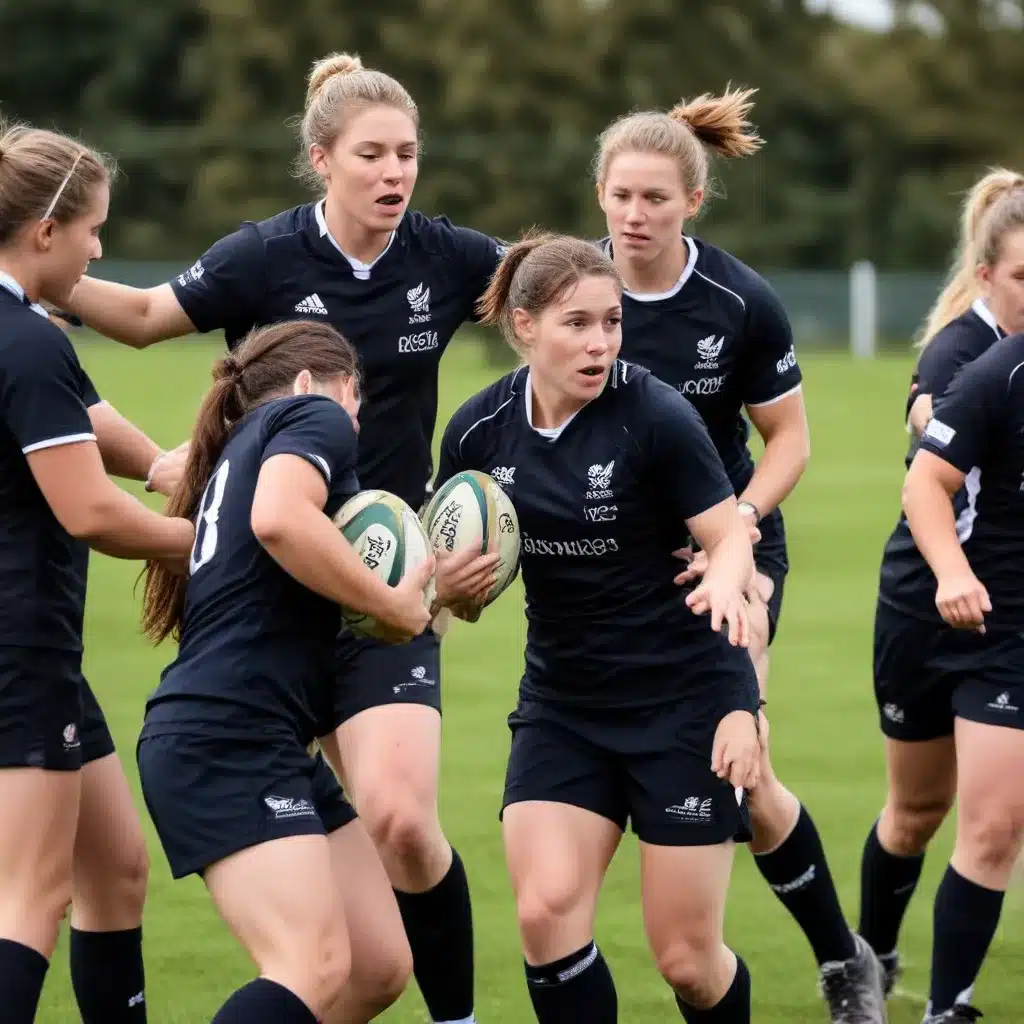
<point>826,742</point>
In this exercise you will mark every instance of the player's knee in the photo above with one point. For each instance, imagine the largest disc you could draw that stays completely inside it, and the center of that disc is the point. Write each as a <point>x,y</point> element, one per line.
<point>326,964</point>
<point>991,842</point>
<point>542,905</point>
<point>403,828</point>
<point>907,826</point>
<point>381,982</point>
<point>131,876</point>
<point>687,963</point>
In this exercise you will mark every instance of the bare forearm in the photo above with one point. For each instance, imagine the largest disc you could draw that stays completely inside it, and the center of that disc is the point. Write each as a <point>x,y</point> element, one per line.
<point>117,311</point>
<point>731,559</point>
<point>123,527</point>
<point>311,549</point>
<point>126,451</point>
<point>929,512</point>
<point>777,474</point>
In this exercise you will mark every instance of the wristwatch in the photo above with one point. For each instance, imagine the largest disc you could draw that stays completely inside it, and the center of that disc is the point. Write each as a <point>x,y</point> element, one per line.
<point>748,507</point>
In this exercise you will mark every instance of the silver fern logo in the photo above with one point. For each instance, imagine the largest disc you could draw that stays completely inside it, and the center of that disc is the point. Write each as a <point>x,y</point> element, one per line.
<point>599,479</point>
<point>708,351</point>
<point>419,303</point>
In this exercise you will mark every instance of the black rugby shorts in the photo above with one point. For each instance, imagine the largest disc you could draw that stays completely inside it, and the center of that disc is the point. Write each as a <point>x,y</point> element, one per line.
<point>927,674</point>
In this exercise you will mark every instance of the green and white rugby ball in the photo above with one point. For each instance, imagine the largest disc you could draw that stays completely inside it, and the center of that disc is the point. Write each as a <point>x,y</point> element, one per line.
<point>390,539</point>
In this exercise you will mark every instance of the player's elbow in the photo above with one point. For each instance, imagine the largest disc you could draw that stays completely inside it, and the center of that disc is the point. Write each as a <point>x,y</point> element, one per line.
<point>91,520</point>
<point>914,483</point>
<point>271,525</point>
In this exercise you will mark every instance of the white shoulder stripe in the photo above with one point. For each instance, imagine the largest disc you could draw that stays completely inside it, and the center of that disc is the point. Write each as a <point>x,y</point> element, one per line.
<point>1009,382</point>
<point>490,416</point>
<point>56,442</point>
<point>728,291</point>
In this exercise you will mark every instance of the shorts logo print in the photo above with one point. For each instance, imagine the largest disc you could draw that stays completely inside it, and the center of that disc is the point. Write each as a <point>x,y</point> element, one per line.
<point>70,735</point>
<point>893,712</point>
<point>289,807</point>
<point>419,678</point>
<point>692,810</point>
<point>1002,703</point>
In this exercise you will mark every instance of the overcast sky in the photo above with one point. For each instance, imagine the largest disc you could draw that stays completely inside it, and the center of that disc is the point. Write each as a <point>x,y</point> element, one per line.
<point>873,13</point>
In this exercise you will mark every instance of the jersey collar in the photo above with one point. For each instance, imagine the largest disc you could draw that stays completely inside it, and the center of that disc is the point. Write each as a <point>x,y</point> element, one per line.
<point>984,313</point>
<point>691,263</point>
<point>9,284</point>
<point>360,270</point>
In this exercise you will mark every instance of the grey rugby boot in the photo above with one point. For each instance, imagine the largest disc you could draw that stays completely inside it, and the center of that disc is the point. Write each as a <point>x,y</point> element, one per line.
<point>853,988</point>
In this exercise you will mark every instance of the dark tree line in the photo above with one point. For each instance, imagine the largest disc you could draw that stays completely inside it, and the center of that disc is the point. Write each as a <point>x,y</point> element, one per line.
<point>870,137</point>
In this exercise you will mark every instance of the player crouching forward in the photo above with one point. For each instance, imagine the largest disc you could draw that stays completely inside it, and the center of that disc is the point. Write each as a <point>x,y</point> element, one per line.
<point>223,759</point>
<point>631,707</point>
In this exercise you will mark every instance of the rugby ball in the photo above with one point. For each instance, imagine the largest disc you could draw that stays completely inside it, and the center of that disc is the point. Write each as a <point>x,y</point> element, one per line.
<point>389,538</point>
<point>472,511</point>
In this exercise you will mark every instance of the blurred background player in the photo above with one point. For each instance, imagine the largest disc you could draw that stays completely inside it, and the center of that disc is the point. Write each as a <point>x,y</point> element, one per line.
<point>711,327</point>
<point>231,788</point>
<point>976,667</point>
<point>397,285</point>
<point>68,830</point>
<point>983,301</point>
<point>631,707</point>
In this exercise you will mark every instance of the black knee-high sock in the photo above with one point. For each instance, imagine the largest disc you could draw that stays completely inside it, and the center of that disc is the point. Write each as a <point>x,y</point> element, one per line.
<point>964,921</point>
<point>264,1002</point>
<point>887,884</point>
<point>108,976</point>
<point>578,987</point>
<point>22,973</point>
<point>439,926</point>
<point>798,874</point>
<point>732,1008</point>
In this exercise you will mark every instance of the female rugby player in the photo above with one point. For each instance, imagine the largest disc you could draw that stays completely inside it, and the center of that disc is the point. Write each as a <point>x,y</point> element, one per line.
<point>912,681</point>
<point>232,791</point>
<point>711,327</point>
<point>68,830</point>
<point>976,668</point>
<point>633,705</point>
<point>398,285</point>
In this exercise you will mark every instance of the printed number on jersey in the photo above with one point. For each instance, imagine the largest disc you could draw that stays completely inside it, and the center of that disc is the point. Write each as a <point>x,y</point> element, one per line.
<point>205,545</point>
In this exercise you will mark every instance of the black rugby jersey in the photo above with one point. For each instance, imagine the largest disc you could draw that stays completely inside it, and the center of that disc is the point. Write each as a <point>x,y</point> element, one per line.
<point>601,507</point>
<point>256,647</point>
<point>905,580</point>
<point>400,314</point>
<point>44,397</point>
<point>978,427</point>
<point>721,338</point>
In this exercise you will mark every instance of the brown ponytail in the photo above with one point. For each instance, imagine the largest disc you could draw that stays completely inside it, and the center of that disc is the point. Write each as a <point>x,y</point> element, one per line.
<point>263,367</point>
<point>535,273</point>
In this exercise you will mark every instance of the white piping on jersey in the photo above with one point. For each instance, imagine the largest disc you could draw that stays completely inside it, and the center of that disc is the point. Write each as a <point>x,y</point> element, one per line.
<point>728,291</point>
<point>1009,380</point>
<point>965,521</point>
<point>8,282</point>
<point>984,313</point>
<point>322,463</point>
<point>777,398</point>
<point>56,442</point>
<point>360,270</point>
<point>490,416</point>
<point>551,433</point>
<point>688,270</point>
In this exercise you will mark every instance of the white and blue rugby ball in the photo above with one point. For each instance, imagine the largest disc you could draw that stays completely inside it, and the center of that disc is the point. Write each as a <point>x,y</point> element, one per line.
<point>472,511</point>
<point>390,539</point>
